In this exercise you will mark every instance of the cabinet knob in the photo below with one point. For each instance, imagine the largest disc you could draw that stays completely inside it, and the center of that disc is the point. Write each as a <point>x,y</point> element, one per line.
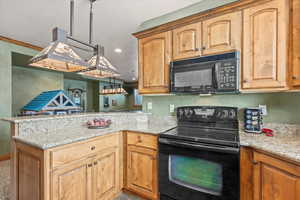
<point>254,162</point>
<point>90,165</point>
<point>245,81</point>
<point>204,47</point>
<point>95,163</point>
<point>295,77</point>
<point>139,139</point>
<point>93,148</point>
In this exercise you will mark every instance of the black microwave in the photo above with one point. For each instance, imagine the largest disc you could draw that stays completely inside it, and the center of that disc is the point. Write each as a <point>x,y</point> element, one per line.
<point>206,75</point>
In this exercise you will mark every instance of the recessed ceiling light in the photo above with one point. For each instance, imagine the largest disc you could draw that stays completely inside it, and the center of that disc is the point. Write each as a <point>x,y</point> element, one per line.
<point>118,50</point>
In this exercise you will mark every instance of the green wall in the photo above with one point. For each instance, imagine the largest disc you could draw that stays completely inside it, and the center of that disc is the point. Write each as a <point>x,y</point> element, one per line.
<point>27,83</point>
<point>6,50</point>
<point>282,107</point>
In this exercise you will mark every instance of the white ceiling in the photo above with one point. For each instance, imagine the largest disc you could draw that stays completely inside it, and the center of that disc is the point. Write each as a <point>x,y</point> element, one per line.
<point>114,21</point>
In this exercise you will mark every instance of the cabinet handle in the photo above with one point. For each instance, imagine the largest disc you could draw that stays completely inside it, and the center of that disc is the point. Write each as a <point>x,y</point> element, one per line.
<point>245,81</point>
<point>295,77</point>
<point>93,148</point>
<point>204,47</point>
<point>90,165</point>
<point>95,163</point>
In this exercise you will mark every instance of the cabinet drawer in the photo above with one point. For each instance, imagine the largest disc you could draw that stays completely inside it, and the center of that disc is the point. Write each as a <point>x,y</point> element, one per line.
<point>64,155</point>
<point>142,140</point>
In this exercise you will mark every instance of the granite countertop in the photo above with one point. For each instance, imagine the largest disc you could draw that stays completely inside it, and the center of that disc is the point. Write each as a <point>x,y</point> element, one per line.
<point>66,136</point>
<point>283,144</point>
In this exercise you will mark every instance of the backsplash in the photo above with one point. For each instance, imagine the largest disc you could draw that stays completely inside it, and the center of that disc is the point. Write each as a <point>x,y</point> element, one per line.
<point>282,107</point>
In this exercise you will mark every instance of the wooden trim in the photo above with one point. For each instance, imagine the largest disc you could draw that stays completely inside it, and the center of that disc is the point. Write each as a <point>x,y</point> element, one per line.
<point>20,43</point>
<point>236,6</point>
<point>5,157</point>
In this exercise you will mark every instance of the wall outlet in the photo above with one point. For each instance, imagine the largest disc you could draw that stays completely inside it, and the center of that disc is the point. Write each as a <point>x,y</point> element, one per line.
<point>149,106</point>
<point>172,108</point>
<point>263,109</point>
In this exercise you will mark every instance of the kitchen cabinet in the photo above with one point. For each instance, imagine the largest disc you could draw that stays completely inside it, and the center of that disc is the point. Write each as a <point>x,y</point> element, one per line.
<point>141,165</point>
<point>88,170</point>
<point>295,44</point>
<point>275,178</point>
<point>268,177</point>
<point>73,182</point>
<point>265,54</point>
<point>105,174</point>
<point>155,54</point>
<point>222,34</point>
<point>187,41</point>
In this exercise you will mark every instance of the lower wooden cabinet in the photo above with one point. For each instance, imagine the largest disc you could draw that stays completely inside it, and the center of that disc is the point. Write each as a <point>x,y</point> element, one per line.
<point>105,178</point>
<point>264,177</point>
<point>73,182</point>
<point>141,166</point>
<point>89,170</point>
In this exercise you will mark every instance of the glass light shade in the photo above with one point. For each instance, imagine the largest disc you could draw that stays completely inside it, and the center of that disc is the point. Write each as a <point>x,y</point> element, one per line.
<point>60,57</point>
<point>100,68</point>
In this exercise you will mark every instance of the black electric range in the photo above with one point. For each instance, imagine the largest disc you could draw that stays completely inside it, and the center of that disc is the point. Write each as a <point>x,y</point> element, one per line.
<point>199,160</point>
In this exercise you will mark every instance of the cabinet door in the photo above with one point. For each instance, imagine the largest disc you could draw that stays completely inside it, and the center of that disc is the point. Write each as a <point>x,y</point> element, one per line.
<point>265,46</point>
<point>187,41</point>
<point>222,34</point>
<point>106,174</point>
<point>275,179</point>
<point>73,182</point>
<point>142,171</point>
<point>154,61</point>
<point>296,44</point>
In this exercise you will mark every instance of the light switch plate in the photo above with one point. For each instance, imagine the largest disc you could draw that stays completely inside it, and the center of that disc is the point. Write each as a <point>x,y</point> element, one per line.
<point>172,108</point>
<point>149,106</point>
<point>263,109</point>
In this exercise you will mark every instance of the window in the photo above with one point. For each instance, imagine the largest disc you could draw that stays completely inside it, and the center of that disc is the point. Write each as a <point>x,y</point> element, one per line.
<point>138,99</point>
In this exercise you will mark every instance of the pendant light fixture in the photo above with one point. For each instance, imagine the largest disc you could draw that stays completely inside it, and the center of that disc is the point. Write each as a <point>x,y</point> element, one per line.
<point>113,88</point>
<point>62,57</point>
<point>100,67</point>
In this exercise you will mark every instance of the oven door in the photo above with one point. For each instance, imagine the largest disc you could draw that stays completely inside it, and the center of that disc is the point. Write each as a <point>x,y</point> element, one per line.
<point>197,78</point>
<point>193,171</point>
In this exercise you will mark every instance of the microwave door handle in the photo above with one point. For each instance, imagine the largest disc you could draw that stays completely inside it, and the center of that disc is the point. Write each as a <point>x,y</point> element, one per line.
<point>201,146</point>
<point>215,75</point>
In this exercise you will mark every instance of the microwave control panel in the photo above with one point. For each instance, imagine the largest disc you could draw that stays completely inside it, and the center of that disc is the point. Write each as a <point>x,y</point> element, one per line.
<point>227,73</point>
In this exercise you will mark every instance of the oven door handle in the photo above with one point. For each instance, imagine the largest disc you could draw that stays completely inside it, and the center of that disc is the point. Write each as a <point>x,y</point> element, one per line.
<point>200,146</point>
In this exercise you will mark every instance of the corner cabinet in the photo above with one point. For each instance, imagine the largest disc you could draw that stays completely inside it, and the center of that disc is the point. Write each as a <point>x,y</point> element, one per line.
<point>154,59</point>
<point>265,54</point>
<point>141,165</point>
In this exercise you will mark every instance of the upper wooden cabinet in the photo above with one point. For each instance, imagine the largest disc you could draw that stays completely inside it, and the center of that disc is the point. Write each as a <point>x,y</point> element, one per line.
<point>275,179</point>
<point>154,59</point>
<point>296,44</point>
<point>265,46</point>
<point>187,41</point>
<point>222,34</point>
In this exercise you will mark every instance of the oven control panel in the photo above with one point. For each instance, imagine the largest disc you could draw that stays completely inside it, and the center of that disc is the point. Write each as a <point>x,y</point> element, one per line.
<point>206,113</point>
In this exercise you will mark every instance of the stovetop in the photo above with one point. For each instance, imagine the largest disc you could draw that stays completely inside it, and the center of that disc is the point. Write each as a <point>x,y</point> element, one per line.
<point>204,135</point>
<point>206,125</point>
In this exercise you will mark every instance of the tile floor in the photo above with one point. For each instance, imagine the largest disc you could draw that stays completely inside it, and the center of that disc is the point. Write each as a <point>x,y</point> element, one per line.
<point>4,184</point>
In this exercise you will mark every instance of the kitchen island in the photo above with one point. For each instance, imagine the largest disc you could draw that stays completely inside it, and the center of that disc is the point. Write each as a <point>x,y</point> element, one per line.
<point>63,151</point>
